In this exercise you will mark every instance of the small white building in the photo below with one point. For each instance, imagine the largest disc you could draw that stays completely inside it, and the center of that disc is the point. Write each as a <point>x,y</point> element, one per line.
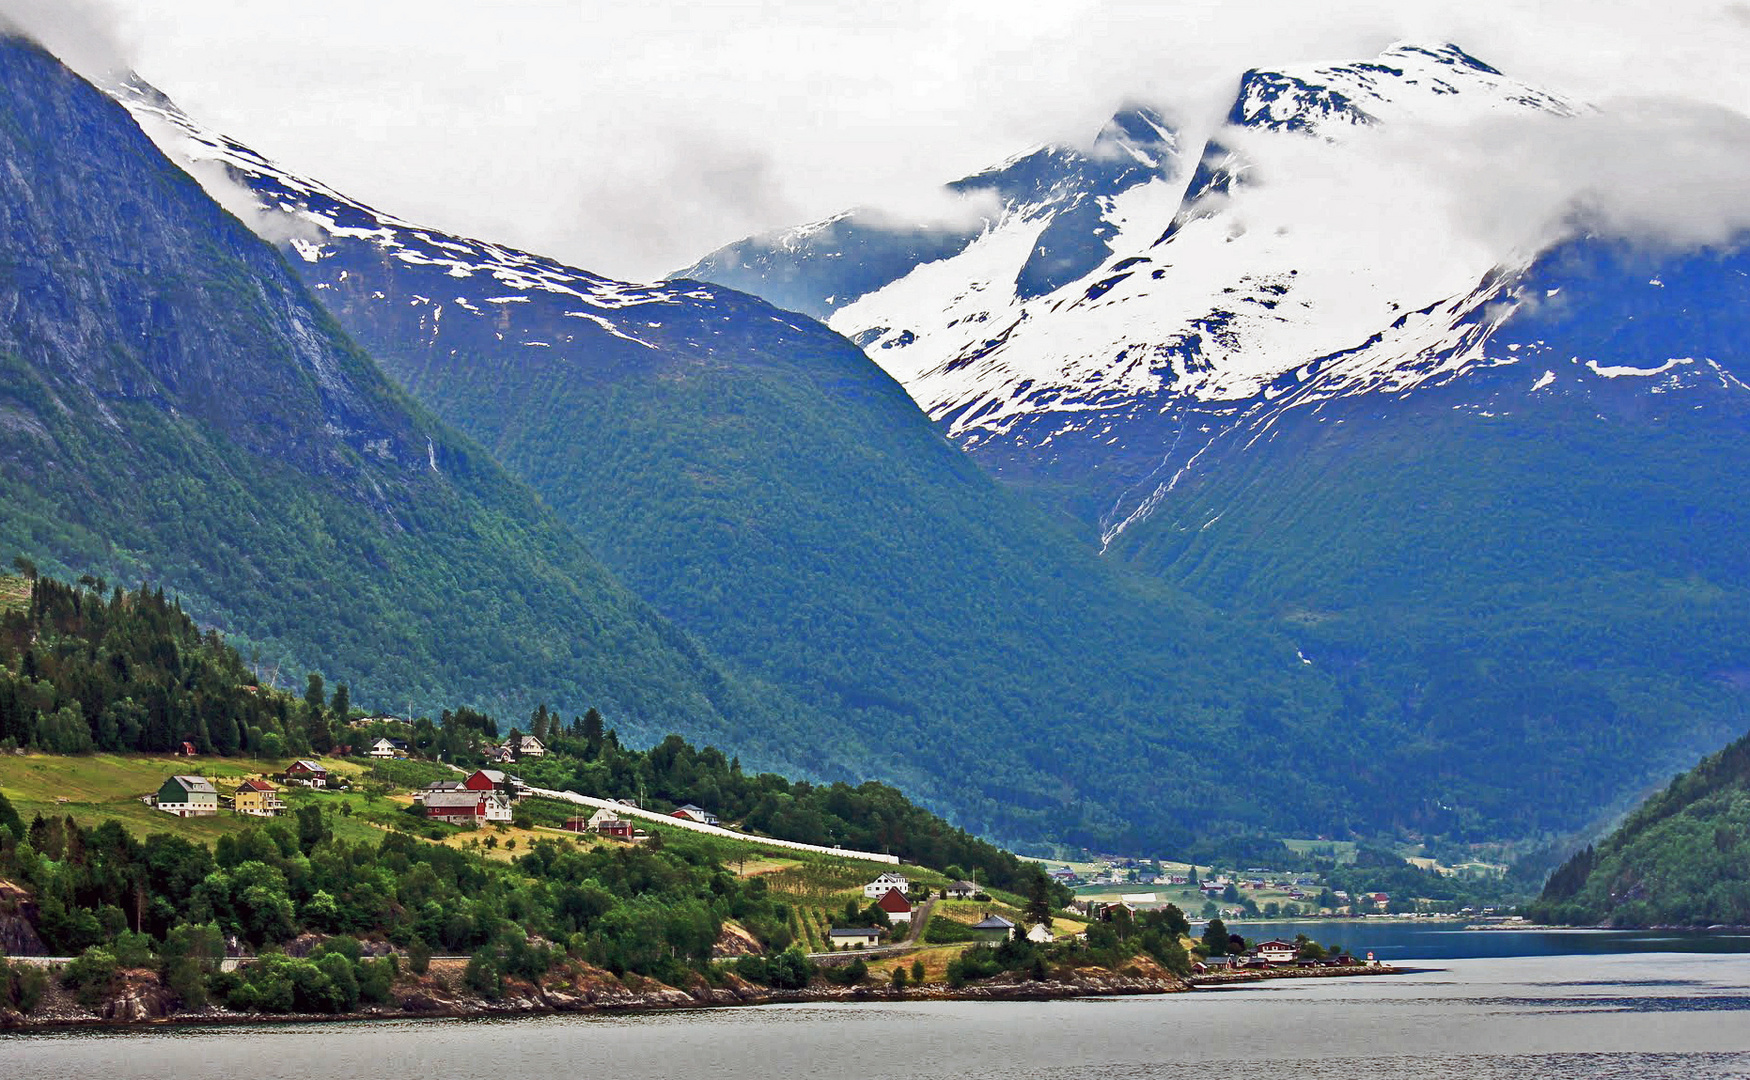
<point>529,746</point>
<point>861,937</point>
<point>1040,934</point>
<point>1278,952</point>
<point>699,814</point>
<point>886,883</point>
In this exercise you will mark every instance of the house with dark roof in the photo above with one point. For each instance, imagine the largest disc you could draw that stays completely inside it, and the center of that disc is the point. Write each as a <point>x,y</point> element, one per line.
<point>467,807</point>
<point>699,814</point>
<point>307,773</point>
<point>188,796</point>
<point>886,883</point>
<point>960,890</point>
<point>993,925</point>
<point>857,937</point>
<point>389,748</point>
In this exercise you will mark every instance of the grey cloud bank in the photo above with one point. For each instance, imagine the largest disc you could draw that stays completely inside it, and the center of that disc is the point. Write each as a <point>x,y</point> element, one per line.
<point>630,139</point>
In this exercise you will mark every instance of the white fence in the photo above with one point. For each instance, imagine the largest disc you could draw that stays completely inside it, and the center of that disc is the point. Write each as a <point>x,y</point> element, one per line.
<point>697,826</point>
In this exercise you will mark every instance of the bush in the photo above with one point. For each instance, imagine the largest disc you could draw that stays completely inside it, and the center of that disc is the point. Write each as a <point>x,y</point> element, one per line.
<point>941,931</point>
<point>133,950</point>
<point>482,975</point>
<point>848,974</point>
<point>22,986</point>
<point>91,975</point>
<point>418,956</point>
<point>186,979</point>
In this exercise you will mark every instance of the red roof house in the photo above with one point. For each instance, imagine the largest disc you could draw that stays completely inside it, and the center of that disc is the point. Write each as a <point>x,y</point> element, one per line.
<point>893,902</point>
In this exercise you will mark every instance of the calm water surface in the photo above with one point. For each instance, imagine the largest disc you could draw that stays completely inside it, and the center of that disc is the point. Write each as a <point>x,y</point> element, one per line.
<point>1678,1015</point>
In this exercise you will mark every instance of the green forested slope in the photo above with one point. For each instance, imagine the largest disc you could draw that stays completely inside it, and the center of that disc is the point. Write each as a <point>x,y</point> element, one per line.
<point>778,495</point>
<point>1681,859</point>
<point>1528,614</point>
<point>175,408</point>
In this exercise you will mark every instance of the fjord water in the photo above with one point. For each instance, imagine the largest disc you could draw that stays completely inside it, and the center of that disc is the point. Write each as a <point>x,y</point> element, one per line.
<point>1621,1015</point>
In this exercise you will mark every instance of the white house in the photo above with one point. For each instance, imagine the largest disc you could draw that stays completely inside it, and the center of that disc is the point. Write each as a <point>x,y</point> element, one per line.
<point>1278,952</point>
<point>529,746</point>
<point>865,937</point>
<point>1040,934</point>
<point>960,890</point>
<point>886,883</point>
<point>699,814</point>
<point>386,748</point>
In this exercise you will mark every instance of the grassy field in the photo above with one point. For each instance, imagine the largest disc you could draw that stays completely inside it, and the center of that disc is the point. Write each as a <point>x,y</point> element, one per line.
<point>107,787</point>
<point>1341,851</point>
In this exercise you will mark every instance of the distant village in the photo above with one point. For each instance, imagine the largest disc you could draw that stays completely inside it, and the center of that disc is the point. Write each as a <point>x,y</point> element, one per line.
<point>488,796</point>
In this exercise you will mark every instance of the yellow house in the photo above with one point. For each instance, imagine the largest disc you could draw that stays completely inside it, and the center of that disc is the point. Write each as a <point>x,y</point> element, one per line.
<point>258,798</point>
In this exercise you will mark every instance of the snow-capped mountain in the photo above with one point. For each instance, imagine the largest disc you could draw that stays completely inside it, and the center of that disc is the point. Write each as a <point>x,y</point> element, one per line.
<point>1064,194</point>
<point>1219,295</point>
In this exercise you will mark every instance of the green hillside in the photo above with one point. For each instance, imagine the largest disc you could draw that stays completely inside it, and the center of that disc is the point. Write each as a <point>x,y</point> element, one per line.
<point>175,409</point>
<point>1527,614</point>
<point>1681,859</point>
<point>767,487</point>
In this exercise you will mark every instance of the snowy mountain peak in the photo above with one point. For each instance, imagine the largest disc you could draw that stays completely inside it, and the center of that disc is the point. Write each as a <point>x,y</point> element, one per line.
<point>1121,303</point>
<point>1405,82</point>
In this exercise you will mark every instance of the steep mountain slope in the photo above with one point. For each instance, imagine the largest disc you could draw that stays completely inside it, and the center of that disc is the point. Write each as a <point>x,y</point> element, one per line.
<point>175,407</point>
<point>776,493</point>
<point>1500,505</point>
<point>1681,859</point>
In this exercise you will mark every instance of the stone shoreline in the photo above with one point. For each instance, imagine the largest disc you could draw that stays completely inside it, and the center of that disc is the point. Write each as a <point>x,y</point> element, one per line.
<point>608,996</point>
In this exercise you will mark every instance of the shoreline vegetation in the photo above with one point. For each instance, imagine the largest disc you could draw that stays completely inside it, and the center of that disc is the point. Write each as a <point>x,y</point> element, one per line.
<point>441,995</point>
<point>346,895</point>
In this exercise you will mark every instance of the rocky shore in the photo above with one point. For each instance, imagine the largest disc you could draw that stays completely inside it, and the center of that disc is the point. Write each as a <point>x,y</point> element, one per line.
<point>140,1000</point>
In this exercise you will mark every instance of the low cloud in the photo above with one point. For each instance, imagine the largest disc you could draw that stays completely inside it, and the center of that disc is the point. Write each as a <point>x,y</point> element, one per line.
<point>633,138</point>
<point>1663,174</point>
<point>83,34</point>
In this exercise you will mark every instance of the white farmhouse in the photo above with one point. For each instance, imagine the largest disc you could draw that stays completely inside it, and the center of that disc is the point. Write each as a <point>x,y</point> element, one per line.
<point>886,883</point>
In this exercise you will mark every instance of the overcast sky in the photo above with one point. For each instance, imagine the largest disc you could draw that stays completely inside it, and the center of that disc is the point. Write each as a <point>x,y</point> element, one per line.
<point>632,137</point>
